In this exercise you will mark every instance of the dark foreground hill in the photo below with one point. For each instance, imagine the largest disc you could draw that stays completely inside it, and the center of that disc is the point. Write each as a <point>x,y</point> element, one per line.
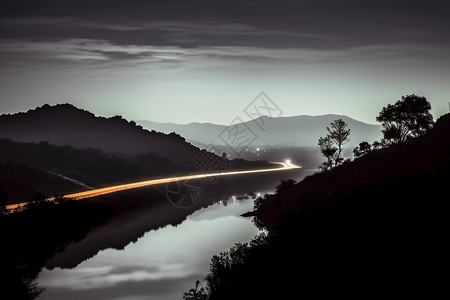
<point>64,124</point>
<point>418,168</point>
<point>375,227</point>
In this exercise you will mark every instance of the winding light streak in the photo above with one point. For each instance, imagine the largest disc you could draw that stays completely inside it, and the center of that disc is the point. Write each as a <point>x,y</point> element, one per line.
<point>287,165</point>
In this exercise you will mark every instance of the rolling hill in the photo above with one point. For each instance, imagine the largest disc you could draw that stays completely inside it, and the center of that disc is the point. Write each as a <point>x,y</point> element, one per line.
<point>67,125</point>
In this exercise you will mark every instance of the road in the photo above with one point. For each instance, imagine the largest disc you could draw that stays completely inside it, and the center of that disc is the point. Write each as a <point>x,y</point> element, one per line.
<point>287,165</point>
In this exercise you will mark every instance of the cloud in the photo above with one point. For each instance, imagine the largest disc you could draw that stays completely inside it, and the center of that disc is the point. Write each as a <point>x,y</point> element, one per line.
<point>104,53</point>
<point>87,51</point>
<point>162,289</point>
<point>95,276</point>
<point>165,32</point>
<point>273,24</point>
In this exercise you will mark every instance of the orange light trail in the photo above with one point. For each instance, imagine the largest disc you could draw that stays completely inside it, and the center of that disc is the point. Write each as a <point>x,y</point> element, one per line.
<point>122,187</point>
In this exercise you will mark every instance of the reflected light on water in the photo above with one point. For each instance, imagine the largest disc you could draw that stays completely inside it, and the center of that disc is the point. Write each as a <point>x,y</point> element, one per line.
<point>171,258</point>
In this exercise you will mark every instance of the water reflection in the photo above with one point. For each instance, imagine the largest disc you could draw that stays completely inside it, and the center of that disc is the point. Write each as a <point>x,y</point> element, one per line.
<point>161,265</point>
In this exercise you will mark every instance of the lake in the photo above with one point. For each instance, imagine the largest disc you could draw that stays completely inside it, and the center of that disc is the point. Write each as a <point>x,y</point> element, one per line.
<point>162,264</point>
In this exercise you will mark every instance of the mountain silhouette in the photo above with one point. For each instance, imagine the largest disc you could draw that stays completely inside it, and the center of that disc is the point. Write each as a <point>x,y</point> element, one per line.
<point>65,124</point>
<point>301,131</point>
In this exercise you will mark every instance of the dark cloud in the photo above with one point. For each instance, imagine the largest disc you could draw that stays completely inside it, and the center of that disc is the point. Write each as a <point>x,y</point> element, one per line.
<point>325,24</point>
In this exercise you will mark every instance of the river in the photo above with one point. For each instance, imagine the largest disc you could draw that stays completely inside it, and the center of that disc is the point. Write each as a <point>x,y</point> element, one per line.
<point>162,264</point>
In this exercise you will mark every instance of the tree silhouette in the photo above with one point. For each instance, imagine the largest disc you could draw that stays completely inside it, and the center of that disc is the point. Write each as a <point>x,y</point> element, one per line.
<point>363,148</point>
<point>328,150</point>
<point>197,293</point>
<point>331,145</point>
<point>340,136</point>
<point>285,185</point>
<point>408,117</point>
<point>219,271</point>
<point>377,145</point>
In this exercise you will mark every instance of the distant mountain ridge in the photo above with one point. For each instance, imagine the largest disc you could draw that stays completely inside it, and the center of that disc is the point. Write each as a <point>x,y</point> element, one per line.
<point>300,130</point>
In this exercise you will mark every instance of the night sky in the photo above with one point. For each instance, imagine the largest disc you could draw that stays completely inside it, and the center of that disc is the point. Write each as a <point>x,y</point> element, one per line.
<point>183,61</point>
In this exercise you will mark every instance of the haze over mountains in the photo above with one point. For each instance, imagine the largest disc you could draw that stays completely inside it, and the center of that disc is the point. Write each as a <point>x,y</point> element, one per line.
<point>60,149</point>
<point>296,131</point>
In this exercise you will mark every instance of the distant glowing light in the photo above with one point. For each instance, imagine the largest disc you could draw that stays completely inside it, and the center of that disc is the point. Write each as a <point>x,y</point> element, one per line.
<point>288,161</point>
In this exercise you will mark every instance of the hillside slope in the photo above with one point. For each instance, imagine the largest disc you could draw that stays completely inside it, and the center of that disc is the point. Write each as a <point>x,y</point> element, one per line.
<point>64,124</point>
<point>51,169</point>
<point>424,155</point>
<point>23,183</point>
<point>370,228</point>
